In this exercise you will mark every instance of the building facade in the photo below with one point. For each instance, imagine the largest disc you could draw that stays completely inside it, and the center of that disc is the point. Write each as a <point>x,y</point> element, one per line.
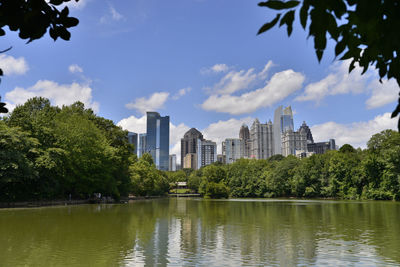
<point>206,153</point>
<point>172,163</point>
<point>157,139</point>
<point>322,147</point>
<point>283,121</point>
<point>133,140</point>
<point>189,143</point>
<point>294,141</point>
<point>262,140</point>
<point>232,149</point>
<point>141,145</point>
<point>244,134</point>
<point>190,161</point>
<point>310,138</point>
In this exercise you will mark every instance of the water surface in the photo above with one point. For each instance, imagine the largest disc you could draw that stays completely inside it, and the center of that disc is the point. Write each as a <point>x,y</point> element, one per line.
<point>196,232</point>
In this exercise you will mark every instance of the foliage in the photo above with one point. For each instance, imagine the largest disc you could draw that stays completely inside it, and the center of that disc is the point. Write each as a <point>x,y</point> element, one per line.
<point>364,31</point>
<point>213,182</point>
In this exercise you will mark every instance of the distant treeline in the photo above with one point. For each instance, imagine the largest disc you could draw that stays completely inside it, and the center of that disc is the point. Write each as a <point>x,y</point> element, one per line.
<point>372,173</point>
<point>47,153</point>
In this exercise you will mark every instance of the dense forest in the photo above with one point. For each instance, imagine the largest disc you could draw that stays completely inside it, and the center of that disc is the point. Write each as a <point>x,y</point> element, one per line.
<point>48,153</point>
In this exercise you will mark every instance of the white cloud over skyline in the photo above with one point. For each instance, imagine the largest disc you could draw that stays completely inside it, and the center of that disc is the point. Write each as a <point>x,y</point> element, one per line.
<point>181,93</point>
<point>153,103</point>
<point>356,134</point>
<point>59,94</point>
<point>75,68</point>
<point>13,66</point>
<point>281,85</point>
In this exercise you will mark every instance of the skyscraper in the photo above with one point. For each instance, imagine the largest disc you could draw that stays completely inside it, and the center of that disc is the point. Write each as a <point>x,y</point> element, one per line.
<point>262,140</point>
<point>206,153</point>
<point>157,139</point>
<point>232,149</point>
<point>294,141</point>
<point>189,143</point>
<point>142,144</point>
<point>310,138</point>
<point>283,121</point>
<point>133,139</point>
<point>244,134</point>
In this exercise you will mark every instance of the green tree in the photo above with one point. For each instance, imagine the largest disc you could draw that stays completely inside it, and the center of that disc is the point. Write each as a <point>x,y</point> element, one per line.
<point>364,31</point>
<point>213,182</point>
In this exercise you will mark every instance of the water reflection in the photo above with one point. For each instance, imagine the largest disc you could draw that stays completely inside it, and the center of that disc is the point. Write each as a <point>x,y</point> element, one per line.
<point>189,232</point>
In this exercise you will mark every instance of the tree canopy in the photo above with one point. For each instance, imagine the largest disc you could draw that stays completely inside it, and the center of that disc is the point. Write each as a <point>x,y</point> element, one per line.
<point>365,32</point>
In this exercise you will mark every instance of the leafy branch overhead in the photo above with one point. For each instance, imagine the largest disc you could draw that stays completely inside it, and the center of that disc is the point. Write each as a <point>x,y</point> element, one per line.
<point>32,18</point>
<point>367,32</point>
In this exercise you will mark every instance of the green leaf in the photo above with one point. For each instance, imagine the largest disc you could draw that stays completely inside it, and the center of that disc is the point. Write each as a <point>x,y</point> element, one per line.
<point>319,54</point>
<point>269,25</point>
<point>352,65</point>
<point>279,5</point>
<point>339,48</point>
<point>288,20</point>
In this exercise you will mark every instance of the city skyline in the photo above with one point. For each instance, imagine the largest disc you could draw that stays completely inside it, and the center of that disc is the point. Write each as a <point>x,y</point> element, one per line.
<point>180,58</point>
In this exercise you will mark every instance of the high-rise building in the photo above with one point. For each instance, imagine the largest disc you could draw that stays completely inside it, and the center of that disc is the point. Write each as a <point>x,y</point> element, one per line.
<point>310,138</point>
<point>206,153</point>
<point>157,139</point>
<point>189,143</point>
<point>221,158</point>
<point>262,140</point>
<point>232,149</point>
<point>293,142</point>
<point>142,144</point>
<point>283,121</point>
<point>190,161</point>
<point>244,134</point>
<point>133,139</point>
<point>172,162</point>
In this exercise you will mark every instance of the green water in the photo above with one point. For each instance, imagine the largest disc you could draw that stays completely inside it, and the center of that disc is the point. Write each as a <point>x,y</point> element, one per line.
<point>196,232</point>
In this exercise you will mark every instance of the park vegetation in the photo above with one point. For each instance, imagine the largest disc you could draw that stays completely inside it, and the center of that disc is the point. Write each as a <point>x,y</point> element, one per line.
<point>49,153</point>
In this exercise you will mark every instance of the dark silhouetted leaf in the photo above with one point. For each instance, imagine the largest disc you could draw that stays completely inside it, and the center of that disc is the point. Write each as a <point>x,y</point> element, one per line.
<point>279,5</point>
<point>269,25</point>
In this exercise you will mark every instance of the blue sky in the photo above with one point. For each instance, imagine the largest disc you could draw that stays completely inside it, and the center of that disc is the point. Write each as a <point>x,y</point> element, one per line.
<point>199,61</point>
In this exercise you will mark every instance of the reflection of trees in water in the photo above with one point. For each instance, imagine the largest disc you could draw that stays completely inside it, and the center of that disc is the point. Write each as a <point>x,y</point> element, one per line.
<point>192,231</point>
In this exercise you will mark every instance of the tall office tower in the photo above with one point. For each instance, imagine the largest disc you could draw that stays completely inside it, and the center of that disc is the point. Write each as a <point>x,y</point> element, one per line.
<point>157,139</point>
<point>287,120</point>
<point>262,140</point>
<point>244,134</point>
<point>310,138</point>
<point>189,143</point>
<point>190,161</point>
<point>133,139</point>
<point>172,162</point>
<point>294,141</point>
<point>142,144</point>
<point>232,149</point>
<point>206,153</point>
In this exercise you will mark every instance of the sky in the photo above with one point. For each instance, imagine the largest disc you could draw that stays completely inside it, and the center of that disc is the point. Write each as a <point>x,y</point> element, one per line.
<point>201,63</point>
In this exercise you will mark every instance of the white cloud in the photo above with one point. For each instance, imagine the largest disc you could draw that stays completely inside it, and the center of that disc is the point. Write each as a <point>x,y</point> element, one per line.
<point>281,85</point>
<point>133,124</point>
<point>356,134</point>
<point>59,94</point>
<point>339,81</point>
<point>13,66</point>
<point>219,68</point>
<point>382,93</point>
<point>112,15</point>
<point>181,93</point>
<point>221,130</point>
<point>153,103</point>
<point>77,5</point>
<point>74,68</point>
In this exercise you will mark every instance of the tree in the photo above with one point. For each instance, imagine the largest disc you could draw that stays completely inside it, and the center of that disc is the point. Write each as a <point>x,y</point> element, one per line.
<point>364,31</point>
<point>32,18</point>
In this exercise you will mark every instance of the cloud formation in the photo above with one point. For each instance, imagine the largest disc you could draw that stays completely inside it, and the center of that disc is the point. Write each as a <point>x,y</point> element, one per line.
<point>339,81</point>
<point>59,94</point>
<point>356,134</point>
<point>112,15</point>
<point>13,66</point>
<point>181,93</point>
<point>153,103</point>
<point>280,86</point>
<point>74,68</point>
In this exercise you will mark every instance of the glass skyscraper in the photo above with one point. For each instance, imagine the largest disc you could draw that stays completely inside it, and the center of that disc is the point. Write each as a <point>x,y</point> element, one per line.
<point>157,139</point>
<point>142,144</point>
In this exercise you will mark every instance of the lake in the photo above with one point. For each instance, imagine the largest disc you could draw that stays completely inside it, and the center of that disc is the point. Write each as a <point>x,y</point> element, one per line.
<point>197,232</point>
